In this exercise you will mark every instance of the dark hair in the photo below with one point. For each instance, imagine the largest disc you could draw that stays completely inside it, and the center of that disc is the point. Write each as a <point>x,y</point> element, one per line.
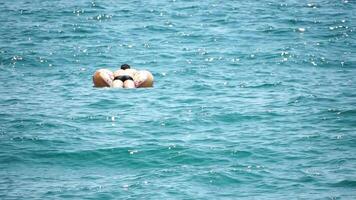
<point>125,66</point>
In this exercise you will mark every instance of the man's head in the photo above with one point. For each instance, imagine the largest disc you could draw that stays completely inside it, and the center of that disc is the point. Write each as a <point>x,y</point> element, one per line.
<point>125,66</point>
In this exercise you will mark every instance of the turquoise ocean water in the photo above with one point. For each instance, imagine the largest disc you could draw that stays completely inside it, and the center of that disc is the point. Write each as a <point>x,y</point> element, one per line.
<point>252,100</point>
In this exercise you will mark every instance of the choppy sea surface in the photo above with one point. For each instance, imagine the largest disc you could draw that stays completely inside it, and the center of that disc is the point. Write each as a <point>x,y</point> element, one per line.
<point>252,100</point>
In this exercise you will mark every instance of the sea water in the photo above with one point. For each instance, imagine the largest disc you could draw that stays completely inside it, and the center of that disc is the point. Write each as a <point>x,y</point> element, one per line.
<point>252,100</point>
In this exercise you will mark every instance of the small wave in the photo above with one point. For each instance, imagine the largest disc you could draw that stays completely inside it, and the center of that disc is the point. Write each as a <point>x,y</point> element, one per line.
<point>345,183</point>
<point>158,28</point>
<point>340,112</point>
<point>235,117</point>
<point>241,154</point>
<point>84,30</point>
<point>277,30</point>
<point>300,98</point>
<point>11,159</point>
<point>265,85</point>
<point>307,179</point>
<point>101,17</point>
<point>351,112</point>
<point>185,8</point>
<point>103,103</point>
<point>201,87</point>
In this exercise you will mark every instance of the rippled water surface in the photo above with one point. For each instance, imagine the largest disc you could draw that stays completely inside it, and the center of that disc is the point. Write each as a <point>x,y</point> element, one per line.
<point>252,100</point>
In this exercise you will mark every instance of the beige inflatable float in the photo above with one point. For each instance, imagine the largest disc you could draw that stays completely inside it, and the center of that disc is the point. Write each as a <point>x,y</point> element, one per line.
<point>123,78</point>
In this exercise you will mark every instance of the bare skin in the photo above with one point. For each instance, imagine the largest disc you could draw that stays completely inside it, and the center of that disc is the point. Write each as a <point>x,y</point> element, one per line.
<point>105,78</point>
<point>127,83</point>
<point>141,78</point>
<point>118,84</point>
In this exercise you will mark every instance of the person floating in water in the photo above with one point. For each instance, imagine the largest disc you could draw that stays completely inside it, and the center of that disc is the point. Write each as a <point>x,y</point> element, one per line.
<point>123,78</point>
